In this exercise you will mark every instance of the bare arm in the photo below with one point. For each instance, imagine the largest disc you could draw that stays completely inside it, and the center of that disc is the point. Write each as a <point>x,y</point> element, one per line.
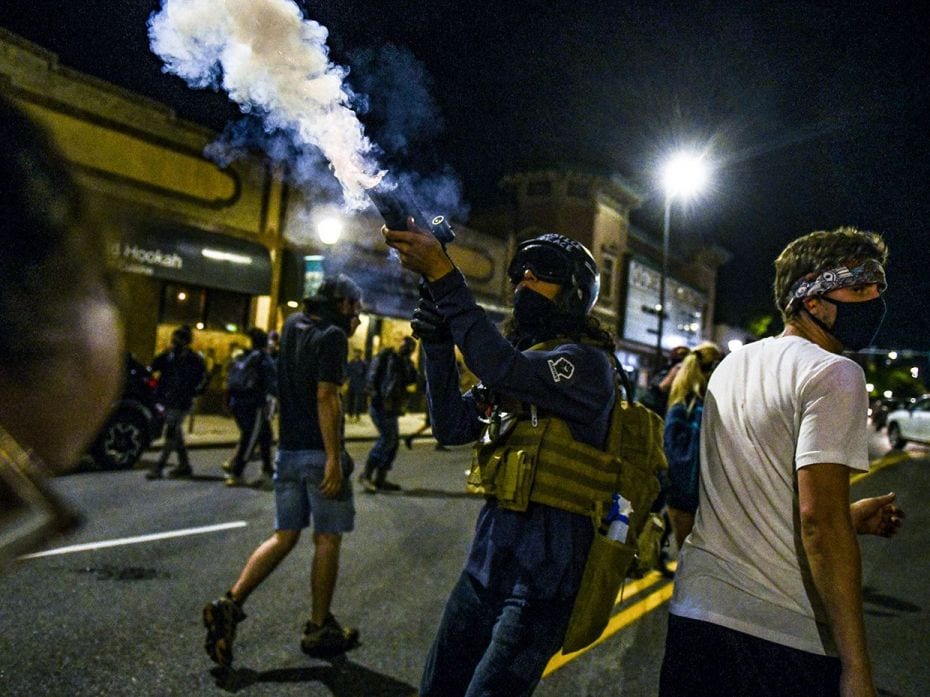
<point>832,551</point>
<point>666,383</point>
<point>329,412</point>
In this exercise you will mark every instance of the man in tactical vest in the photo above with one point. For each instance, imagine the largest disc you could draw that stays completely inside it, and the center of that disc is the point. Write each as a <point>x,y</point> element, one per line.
<point>510,609</point>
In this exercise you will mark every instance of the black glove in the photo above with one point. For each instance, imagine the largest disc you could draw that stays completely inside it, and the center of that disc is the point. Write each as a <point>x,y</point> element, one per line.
<point>428,324</point>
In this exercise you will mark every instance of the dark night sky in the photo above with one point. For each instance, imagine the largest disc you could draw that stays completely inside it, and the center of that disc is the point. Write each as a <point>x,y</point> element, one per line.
<point>815,117</point>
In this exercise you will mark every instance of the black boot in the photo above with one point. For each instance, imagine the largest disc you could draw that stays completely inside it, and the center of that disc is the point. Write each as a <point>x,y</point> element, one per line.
<point>382,484</point>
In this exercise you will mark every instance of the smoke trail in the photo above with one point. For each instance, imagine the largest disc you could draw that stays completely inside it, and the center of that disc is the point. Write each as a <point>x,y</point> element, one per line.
<point>271,60</point>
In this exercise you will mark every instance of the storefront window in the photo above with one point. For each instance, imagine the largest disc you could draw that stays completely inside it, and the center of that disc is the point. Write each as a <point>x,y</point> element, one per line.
<point>226,310</point>
<point>205,308</point>
<point>182,304</point>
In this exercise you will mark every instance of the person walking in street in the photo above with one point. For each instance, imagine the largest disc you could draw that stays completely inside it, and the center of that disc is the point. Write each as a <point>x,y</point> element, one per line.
<point>356,396</point>
<point>251,389</point>
<point>312,469</point>
<point>682,438</point>
<point>656,395</point>
<point>182,375</point>
<point>552,376</point>
<point>388,377</point>
<point>768,590</point>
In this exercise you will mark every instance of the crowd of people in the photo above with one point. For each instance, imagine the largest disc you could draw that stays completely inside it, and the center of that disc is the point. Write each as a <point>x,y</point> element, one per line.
<point>760,445</point>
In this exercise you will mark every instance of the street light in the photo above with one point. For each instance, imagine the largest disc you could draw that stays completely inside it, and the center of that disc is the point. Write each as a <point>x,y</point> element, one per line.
<point>683,175</point>
<point>329,230</point>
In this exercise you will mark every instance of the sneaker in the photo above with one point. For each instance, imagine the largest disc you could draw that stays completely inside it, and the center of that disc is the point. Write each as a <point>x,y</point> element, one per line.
<point>408,441</point>
<point>227,467</point>
<point>232,480</point>
<point>180,471</point>
<point>367,484</point>
<point>220,618</point>
<point>153,474</point>
<point>328,640</point>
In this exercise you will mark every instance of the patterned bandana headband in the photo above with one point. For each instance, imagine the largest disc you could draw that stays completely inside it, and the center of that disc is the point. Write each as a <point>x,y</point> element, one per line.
<point>812,284</point>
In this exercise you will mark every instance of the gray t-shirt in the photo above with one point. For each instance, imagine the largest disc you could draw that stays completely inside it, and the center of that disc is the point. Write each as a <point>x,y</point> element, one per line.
<point>772,407</point>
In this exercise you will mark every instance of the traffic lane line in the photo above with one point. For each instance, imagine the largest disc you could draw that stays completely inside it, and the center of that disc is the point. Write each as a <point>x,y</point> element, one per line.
<point>892,458</point>
<point>71,549</point>
<point>624,617</point>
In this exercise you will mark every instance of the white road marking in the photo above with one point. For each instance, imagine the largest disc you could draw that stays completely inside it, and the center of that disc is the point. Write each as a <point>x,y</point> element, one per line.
<point>136,540</point>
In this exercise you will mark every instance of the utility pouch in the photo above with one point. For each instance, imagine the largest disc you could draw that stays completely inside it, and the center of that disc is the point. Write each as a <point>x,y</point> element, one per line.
<point>601,582</point>
<point>504,474</point>
<point>504,468</point>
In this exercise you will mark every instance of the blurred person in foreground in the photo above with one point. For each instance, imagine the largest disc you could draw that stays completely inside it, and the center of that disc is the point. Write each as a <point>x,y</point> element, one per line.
<point>768,591</point>
<point>61,344</point>
<point>312,469</point>
<point>511,607</point>
<point>682,437</point>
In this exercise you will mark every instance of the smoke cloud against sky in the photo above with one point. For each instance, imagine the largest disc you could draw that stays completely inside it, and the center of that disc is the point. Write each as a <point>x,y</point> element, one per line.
<point>275,63</point>
<point>815,113</point>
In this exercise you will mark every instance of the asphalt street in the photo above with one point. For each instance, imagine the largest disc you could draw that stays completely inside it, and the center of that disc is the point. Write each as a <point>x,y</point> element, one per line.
<point>125,619</point>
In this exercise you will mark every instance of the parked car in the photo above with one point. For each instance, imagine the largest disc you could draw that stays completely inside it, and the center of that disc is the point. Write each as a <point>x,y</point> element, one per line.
<point>881,408</point>
<point>910,424</point>
<point>136,420</point>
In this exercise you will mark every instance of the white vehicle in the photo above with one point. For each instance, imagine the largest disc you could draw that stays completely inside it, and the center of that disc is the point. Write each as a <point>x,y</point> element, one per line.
<point>910,424</point>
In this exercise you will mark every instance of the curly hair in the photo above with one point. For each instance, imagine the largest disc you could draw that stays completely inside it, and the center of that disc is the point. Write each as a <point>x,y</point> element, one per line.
<point>816,251</point>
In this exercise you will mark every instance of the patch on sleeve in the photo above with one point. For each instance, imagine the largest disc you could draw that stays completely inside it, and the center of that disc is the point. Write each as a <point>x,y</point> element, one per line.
<point>561,369</point>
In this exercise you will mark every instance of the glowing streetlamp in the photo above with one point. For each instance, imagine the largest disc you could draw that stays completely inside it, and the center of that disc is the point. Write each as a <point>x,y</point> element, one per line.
<point>683,175</point>
<point>329,230</point>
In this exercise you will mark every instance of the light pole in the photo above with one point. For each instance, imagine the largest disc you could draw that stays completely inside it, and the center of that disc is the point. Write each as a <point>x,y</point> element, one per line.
<point>683,175</point>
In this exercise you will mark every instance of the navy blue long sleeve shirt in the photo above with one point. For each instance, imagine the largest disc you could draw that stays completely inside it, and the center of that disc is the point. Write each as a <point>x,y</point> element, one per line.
<point>539,553</point>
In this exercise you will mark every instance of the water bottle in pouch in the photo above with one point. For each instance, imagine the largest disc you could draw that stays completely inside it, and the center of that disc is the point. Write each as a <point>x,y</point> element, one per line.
<point>618,518</point>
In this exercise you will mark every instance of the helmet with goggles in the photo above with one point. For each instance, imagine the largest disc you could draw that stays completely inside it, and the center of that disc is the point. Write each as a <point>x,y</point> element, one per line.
<point>558,259</point>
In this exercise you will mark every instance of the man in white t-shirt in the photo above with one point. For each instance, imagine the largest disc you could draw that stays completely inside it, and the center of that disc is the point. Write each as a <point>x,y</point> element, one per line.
<point>768,594</point>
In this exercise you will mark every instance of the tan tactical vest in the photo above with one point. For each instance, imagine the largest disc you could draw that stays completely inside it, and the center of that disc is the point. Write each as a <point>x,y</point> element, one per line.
<point>523,458</point>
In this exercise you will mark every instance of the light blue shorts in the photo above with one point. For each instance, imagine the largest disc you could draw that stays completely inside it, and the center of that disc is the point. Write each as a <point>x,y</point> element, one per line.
<point>297,497</point>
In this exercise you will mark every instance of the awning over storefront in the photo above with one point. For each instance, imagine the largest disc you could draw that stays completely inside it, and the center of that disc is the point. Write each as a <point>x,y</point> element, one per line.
<point>184,254</point>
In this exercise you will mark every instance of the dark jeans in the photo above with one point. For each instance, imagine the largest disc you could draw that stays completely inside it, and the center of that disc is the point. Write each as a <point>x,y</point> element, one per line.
<point>384,450</point>
<point>490,645</point>
<point>355,401</point>
<point>253,428</point>
<point>704,659</point>
<point>174,439</point>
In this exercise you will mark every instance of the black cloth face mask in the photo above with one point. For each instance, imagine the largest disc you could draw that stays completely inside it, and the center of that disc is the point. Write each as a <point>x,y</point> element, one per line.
<point>537,319</point>
<point>857,323</point>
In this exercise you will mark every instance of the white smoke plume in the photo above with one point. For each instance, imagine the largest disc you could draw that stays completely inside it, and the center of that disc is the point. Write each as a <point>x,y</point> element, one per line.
<point>273,61</point>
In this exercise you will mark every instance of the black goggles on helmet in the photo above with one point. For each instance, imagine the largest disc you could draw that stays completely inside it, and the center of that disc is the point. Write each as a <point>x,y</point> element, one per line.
<point>547,264</point>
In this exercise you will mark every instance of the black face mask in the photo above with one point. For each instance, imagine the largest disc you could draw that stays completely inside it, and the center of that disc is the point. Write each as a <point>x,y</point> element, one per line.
<point>856,324</point>
<point>532,311</point>
<point>333,316</point>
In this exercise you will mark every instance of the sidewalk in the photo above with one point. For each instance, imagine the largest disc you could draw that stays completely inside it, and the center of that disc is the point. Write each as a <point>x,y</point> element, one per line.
<point>214,430</point>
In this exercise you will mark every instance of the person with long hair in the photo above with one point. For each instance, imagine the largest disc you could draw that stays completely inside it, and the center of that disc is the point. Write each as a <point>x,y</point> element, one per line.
<point>682,435</point>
